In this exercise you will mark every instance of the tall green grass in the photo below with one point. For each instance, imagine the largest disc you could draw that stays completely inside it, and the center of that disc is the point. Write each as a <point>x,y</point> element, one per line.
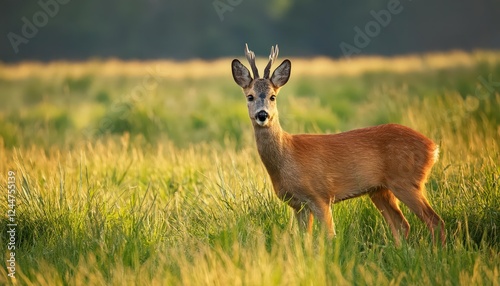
<point>174,193</point>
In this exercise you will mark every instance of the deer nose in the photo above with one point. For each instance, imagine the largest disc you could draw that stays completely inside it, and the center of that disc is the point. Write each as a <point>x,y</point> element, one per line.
<point>262,115</point>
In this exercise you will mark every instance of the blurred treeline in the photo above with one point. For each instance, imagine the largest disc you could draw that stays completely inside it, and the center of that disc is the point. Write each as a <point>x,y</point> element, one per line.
<point>154,29</point>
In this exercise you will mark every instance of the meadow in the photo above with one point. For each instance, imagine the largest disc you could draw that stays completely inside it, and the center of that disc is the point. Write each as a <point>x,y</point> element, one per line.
<point>146,173</point>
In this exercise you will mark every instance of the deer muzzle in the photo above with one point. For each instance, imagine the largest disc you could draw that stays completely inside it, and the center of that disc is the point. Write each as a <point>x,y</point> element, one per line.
<point>261,117</point>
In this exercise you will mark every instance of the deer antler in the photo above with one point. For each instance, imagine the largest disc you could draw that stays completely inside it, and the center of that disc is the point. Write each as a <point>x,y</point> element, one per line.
<point>272,57</point>
<point>251,59</point>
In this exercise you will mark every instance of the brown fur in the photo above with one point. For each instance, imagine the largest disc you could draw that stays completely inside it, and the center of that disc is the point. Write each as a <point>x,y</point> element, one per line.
<point>310,172</point>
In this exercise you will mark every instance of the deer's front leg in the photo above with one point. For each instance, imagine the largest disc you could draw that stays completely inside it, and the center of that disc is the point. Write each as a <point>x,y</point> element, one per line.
<point>323,212</point>
<point>305,219</point>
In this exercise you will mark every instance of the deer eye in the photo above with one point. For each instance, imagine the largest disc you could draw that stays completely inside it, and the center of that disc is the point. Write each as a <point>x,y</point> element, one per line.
<point>250,97</point>
<point>272,98</point>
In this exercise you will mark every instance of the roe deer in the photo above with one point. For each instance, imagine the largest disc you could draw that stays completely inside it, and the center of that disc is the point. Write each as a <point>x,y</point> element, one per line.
<point>310,172</point>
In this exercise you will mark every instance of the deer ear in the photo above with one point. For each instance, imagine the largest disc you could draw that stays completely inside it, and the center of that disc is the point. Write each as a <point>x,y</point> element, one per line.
<point>241,74</point>
<point>281,74</point>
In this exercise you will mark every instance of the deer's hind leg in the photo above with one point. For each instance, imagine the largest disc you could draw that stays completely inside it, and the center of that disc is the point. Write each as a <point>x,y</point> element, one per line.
<point>415,199</point>
<point>387,204</point>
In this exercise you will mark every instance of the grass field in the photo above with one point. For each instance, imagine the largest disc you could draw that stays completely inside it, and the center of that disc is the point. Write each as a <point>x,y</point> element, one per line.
<point>146,173</point>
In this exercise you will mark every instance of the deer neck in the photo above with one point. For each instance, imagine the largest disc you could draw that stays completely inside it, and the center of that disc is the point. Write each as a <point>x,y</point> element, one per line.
<point>272,144</point>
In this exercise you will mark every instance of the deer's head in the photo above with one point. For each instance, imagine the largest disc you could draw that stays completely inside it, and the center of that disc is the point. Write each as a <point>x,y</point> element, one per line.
<point>261,92</point>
